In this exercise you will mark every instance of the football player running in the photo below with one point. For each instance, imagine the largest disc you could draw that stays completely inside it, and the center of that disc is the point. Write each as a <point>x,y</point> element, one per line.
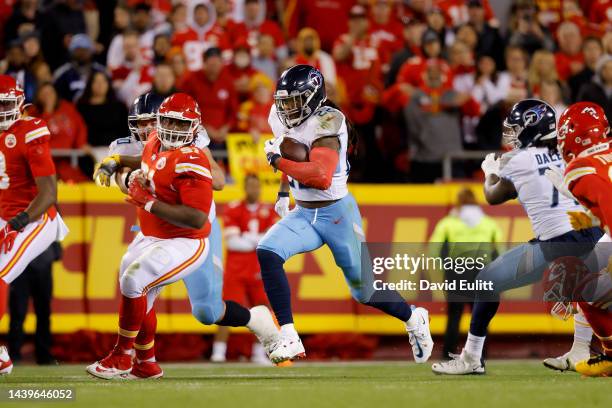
<point>29,222</point>
<point>204,283</point>
<point>530,129</point>
<point>326,213</point>
<point>585,147</point>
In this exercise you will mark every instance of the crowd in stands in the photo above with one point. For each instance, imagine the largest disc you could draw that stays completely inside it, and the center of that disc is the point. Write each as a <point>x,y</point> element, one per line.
<point>418,78</point>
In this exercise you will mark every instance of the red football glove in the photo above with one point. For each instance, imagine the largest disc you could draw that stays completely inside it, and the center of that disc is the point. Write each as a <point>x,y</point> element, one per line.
<point>7,238</point>
<point>139,196</point>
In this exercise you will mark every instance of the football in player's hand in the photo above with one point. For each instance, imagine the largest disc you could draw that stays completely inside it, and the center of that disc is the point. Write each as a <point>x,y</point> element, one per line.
<point>293,150</point>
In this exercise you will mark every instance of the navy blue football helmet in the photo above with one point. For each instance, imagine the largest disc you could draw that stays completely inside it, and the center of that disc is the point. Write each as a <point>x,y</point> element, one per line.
<point>530,122</point>
<point>300,91</point>
<point>144,108</point>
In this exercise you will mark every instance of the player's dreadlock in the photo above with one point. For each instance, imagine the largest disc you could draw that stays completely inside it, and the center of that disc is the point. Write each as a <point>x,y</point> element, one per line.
<point>353,135</point>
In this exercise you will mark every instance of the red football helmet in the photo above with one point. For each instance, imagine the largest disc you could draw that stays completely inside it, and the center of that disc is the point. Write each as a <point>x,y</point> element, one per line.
<point>561,281</point>
<point>11,101</point>
<point>178,120</point>
<point>582,130</point>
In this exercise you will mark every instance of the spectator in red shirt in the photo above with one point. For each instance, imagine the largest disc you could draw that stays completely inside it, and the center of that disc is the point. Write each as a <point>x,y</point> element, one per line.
<point>412,34</point>
<point>569,58</point>
<point>359,69</point>
<point>225,25</point>
<point>241,70</point>
<point>213,89</point>
<point>386,32</point>
<point>253,113</point>
<point>181,31</point>
<point>328,17</point>
<point>308,51</point>
<point>256,25</point>
<point>135,75</point>
<point>68,130</point>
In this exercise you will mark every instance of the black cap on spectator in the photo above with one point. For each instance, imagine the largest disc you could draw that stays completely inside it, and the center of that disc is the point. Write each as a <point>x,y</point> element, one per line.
<point>142,6</point>
<point>429,36</point>
<point>212,52</point>
<point>250,1</point>
<point>29,34</point>
<point>475,3</point>
<point>358,11</point>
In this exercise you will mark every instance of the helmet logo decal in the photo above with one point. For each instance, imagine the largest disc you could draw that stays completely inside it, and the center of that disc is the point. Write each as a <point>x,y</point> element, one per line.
<point>532,116</point>
<point>591,112</point>
<point>314,77</point>
<point>161,163</point>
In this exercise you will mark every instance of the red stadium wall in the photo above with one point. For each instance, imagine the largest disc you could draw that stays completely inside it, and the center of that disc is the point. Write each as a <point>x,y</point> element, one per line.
<point>86,290</point>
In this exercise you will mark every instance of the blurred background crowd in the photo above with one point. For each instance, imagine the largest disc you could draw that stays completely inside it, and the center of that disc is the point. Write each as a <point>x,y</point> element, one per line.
<point>420,79</point>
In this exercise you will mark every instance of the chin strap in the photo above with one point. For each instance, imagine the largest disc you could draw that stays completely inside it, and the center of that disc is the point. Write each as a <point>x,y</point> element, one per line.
<point>316,173</point>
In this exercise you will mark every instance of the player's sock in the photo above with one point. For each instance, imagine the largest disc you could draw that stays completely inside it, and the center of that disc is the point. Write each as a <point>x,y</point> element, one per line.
<point>235,315</point>
<point>219,349</point>
<point>601,322</point>
<point>583,333</point>
<point>145,340</point>
<point>391,303</point>
<point>482,314</point>
<point>276,285</point>
<point>474,345</point>
<point>131,314</point>
<point>288,330</point>
<point>3,298</point>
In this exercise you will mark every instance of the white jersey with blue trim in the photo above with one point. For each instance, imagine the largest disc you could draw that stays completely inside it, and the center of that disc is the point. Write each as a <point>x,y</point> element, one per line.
<point>324,122</point>
<point>130,146</point>
<point>545,207</point>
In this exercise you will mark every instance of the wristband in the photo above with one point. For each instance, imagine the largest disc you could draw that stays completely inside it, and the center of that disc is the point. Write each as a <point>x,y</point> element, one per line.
<point>273,158</point>
<point>147,207</point>
<point>283,194</point>
<point>19,221</point>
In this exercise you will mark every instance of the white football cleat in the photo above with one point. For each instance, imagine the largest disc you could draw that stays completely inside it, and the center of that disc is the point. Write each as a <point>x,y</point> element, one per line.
<point>263,326</point>
<point>567,362</point>
<point>461,364</point>
<point>419,335</point>
<point>6,365</point>
<point>288,347</point>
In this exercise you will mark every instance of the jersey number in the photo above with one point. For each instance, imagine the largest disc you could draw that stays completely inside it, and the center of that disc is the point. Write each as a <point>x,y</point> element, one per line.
<point>555,193</point>
<point>4,178</point>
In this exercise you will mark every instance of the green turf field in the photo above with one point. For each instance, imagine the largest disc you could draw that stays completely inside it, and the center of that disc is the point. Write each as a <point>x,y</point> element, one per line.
<point>517,384</point>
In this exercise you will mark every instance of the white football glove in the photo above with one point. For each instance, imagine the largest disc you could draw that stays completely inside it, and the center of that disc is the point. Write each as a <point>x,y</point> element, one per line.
<point>272,149</point>
<point>555,175</point>
<point>490,165</point>
<point>282,206</point>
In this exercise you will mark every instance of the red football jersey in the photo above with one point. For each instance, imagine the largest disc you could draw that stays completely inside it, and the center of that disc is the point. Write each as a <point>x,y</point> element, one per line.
<point>24,155</point>
<point>242,217</point>
<point>179,176</point>
<point>590,180</point>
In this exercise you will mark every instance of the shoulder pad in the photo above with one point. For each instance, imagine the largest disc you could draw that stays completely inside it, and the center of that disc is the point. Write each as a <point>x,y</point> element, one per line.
<point>33,129</point>
<point>192,160</point>
<point>578,168</point>
<point>329,121</point>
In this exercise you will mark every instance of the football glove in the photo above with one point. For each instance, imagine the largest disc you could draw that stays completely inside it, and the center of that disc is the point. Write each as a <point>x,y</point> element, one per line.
<point>272,149</point>
<point>555,175</point>
<point>7,238</point>
<point>282,205</point>
<point>582,220</point>
<point>490,165</point>
<point>140,196</point>
<point>106,169</point>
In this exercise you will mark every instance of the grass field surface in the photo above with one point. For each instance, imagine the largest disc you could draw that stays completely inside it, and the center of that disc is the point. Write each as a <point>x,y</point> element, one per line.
<point>517,384</point>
